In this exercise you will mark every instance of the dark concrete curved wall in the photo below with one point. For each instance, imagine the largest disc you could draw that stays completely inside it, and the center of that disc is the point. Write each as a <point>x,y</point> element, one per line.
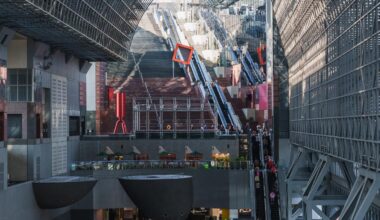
<point>57,194</point>
<point>161,196</point>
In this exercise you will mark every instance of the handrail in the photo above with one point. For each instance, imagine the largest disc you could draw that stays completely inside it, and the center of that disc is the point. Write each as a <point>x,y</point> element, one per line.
<point>143,164</point>
<point>221,94</point>
<point>217,104</point>
<point>235,119</point>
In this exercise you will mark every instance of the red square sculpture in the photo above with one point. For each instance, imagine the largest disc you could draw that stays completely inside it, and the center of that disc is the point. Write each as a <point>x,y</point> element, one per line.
<point>186,52</point>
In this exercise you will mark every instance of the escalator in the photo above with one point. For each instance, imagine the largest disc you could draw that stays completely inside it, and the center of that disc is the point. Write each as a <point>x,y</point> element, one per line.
<point>274,206</point>
<point>254,67</point>
<point>225,113</point>
<point>220,99</point>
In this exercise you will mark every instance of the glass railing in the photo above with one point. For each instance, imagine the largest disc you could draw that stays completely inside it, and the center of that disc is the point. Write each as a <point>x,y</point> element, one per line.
<point>114,165</point>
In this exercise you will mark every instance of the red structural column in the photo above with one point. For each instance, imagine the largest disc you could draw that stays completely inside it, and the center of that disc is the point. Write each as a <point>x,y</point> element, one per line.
<point>120,112</point>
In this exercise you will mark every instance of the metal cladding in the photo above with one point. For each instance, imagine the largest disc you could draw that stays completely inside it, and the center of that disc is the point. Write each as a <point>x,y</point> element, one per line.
<point>58,192</point>
<point>332,48</point>
<point>161,196</point>
<point>95,30</point>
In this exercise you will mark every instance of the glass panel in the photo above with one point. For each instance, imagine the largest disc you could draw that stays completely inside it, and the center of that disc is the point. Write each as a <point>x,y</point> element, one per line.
<point>22,93</point>
<point>22,77</point>
<point>14,126</point>
<point>12,76</point>
<point>30,76</point>
<point>12,93</point>
<point>30,92</point>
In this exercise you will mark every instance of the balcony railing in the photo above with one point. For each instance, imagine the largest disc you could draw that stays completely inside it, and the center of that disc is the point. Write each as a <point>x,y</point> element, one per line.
<point>158,164</point>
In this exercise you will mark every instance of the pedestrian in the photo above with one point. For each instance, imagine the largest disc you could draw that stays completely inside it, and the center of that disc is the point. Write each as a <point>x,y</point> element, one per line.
<point>272,196</point>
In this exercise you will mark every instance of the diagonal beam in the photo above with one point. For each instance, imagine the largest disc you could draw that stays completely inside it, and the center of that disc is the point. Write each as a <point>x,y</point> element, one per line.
<point>348,172</point>
<point>320,213</point>
<point>362,195</point>
<point>316,178</point>
<point>297,161</point>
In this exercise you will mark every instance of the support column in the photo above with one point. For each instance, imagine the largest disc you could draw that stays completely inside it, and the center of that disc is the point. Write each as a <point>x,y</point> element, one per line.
<point>293,183</point>
<point>313,187</point>
<point>362,195</point>
<point>147,122</point>
<point>161,118</point>
<point>174,118</point>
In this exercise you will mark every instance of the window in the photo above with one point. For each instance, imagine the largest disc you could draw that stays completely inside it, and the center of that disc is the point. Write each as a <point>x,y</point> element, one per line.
<point>38,126</point>
<point>74,125</point>
<point>14,126</point>
<point>19,85</point>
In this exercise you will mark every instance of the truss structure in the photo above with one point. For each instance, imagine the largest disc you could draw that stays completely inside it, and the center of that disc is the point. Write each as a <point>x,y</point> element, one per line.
<point>95,30</point>
<point>221,3</point>
<point>333,52</point>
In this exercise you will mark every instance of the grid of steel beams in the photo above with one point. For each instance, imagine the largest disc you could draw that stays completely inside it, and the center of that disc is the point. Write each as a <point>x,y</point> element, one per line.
<point>333,52</point>
<point>99,30</point>
<point>221,3</point>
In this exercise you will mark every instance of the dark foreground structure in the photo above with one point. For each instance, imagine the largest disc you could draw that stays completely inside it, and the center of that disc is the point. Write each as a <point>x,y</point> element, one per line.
<point>161,196</point>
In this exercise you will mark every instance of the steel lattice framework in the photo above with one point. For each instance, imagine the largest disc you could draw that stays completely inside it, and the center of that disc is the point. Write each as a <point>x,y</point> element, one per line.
<point>96,30</point>
<point>221,3</point>
<point>333,51</point>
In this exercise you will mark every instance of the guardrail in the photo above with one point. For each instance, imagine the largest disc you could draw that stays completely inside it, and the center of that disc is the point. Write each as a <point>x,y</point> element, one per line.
<point>159,164</point>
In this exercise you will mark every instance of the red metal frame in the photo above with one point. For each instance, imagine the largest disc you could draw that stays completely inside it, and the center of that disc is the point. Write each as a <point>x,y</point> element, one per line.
<point>186,61</point>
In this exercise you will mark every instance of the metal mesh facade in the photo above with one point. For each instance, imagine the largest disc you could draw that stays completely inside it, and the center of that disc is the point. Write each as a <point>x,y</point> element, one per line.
<point>98,30</point>
<point>333,52</point>
<point>221,3</point>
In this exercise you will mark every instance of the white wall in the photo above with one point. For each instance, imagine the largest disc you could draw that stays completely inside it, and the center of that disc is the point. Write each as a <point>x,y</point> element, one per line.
<point>91,89</point>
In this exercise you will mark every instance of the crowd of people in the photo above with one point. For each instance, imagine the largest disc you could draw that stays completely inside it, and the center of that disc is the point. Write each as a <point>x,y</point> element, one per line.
<point>262,136</point>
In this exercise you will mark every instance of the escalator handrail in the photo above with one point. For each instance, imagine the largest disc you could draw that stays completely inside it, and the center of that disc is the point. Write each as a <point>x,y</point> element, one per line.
<point>254,67</point>
<point>235,119</point>
<point>216,103</point>
<point>221,94</point>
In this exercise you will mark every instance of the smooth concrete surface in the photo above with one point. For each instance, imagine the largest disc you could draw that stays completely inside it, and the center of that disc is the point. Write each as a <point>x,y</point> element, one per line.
<point>33,160</point>
<point>18,162</point>
<point>89,149</point>
<point>212,188</point>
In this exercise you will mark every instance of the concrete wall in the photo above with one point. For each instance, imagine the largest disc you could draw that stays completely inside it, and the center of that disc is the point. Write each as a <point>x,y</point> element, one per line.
<point>29,161</point>
<point>212,188</point>
<point>29,158</point>
<point>4,170</point>
<point>17,54</point>
<point>88,149</point>
<point>18,162</point>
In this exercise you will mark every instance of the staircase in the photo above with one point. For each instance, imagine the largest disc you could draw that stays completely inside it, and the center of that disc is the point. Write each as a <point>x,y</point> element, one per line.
<point>159,64</point>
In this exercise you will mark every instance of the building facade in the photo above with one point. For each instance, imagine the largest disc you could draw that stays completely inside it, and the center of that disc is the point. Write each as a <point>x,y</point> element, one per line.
<point>332,49</point>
